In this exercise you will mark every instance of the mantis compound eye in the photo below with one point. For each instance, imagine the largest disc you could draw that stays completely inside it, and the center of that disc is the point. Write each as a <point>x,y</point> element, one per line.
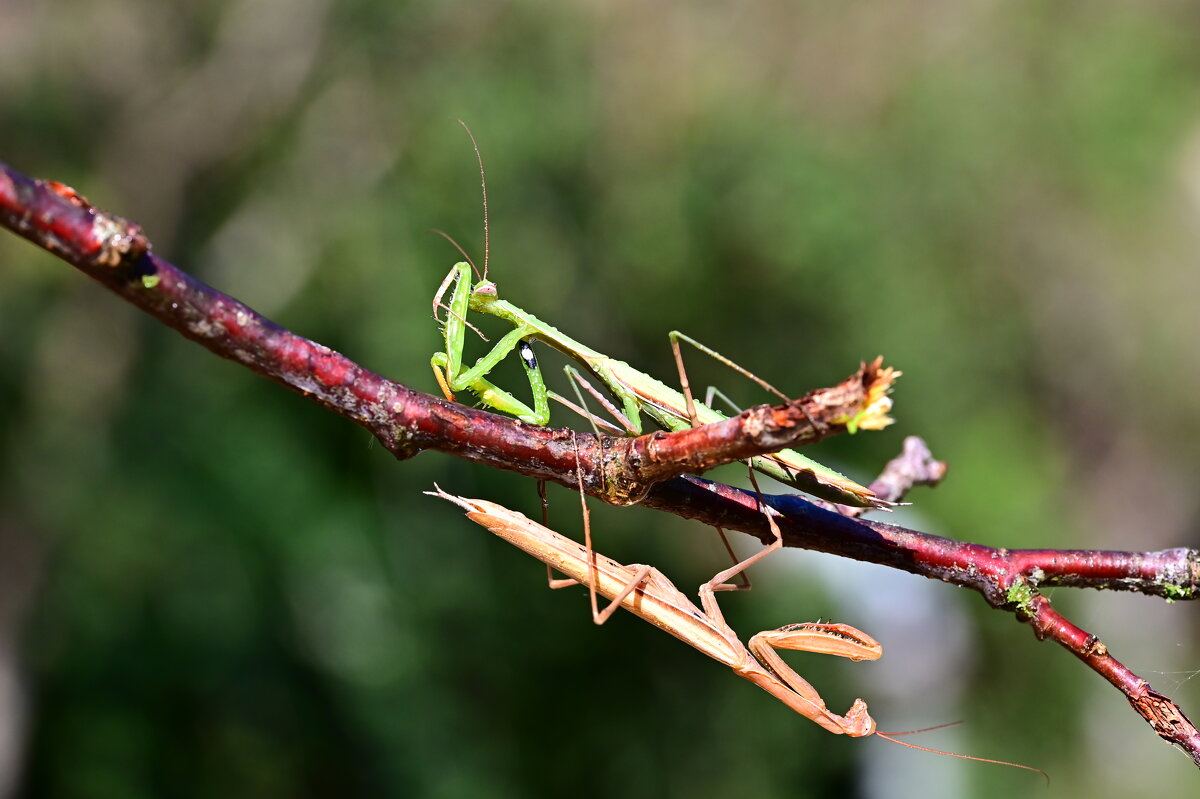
<point>527,356</point>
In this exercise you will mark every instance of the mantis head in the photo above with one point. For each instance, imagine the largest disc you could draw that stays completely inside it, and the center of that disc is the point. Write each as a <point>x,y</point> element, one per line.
<point>484,288</point>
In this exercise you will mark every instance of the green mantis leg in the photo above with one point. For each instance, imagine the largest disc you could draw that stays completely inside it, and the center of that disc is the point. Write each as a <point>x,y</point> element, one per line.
<point>714,393</point>
<point>448,367</point>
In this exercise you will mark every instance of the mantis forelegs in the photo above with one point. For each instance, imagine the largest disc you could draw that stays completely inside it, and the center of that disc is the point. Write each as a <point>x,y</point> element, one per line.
<point>771,673</point>
<point>448,366</point>
<point>827,639</point>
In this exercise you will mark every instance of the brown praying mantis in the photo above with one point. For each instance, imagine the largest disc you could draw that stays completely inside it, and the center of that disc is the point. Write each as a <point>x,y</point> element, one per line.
<point>646,592</point>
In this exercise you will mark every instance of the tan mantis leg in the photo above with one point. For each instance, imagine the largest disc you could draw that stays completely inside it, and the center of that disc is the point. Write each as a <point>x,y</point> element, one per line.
<point>826,639</point>
<point>598,616</point>
<point>552,581</point>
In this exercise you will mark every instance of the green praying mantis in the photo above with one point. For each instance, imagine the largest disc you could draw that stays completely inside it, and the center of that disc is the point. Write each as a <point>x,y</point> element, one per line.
<point>636,391</point>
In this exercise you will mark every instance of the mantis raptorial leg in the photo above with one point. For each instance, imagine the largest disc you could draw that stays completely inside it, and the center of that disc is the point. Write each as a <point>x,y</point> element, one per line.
<point>636,392</point>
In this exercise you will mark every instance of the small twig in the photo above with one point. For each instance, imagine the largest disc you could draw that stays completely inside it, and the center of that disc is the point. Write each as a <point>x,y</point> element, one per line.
<point>914,466</point>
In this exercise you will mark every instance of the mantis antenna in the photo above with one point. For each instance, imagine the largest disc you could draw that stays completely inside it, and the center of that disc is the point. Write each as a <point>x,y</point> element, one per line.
<point>483,184</point>
<point>457,246</point>
<point>890,736</point>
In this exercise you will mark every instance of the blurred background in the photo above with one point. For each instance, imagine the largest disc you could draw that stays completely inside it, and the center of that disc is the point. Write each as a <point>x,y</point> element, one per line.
<point>211,587</point>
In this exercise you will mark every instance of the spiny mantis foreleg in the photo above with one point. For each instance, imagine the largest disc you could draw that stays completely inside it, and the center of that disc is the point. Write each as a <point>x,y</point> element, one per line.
<point>448,367</point>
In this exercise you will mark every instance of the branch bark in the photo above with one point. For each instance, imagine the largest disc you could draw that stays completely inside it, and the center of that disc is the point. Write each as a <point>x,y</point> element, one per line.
<point>654,469</point>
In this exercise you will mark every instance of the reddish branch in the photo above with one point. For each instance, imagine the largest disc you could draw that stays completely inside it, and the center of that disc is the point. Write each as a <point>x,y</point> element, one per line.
<point>622,470</point>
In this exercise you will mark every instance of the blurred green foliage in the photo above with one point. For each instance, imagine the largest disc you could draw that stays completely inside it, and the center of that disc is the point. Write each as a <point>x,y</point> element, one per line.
<point>212,587</point>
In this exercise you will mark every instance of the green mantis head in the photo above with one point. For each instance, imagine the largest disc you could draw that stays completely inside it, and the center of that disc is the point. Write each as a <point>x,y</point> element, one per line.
<point>483,294</point>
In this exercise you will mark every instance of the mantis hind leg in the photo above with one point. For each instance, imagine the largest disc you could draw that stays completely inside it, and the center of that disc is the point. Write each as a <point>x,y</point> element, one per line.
<point>677,336</point>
